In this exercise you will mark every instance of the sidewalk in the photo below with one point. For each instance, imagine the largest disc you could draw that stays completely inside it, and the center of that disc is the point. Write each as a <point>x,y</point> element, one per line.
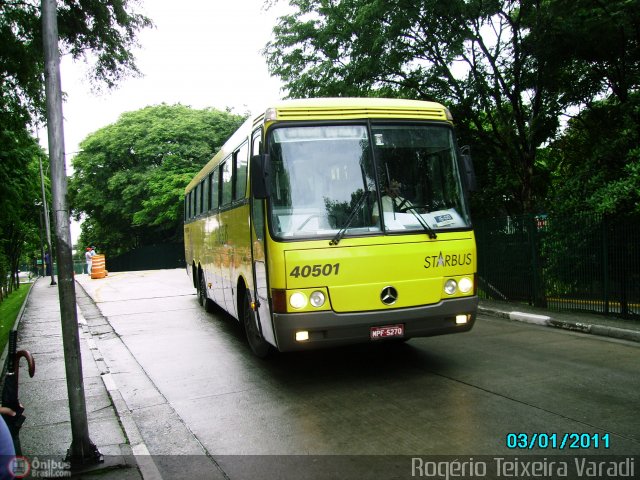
<point>580,322</point>
<point>46,433</point>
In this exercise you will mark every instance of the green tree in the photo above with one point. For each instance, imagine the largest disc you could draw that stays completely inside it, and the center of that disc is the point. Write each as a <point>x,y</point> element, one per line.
<point>19,190</point>
<point>595,44</point>
<point>471,55</point>
<point>596,162</point>
<point>508,69</point>
<point>100,32</point>
<point>129,177</point>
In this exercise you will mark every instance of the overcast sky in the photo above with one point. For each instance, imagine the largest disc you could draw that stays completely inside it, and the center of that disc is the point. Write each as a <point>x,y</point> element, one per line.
<point>202,53</point>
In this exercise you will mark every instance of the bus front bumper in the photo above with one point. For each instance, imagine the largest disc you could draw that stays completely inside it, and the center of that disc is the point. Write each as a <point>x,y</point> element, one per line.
<point>330,329</point>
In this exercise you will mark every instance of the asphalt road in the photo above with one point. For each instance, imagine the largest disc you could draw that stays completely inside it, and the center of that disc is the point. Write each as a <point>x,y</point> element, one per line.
<point>192,385</point>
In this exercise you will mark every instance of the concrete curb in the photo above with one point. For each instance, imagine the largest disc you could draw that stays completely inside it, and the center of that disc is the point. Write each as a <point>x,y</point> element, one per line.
<point>545,320</point>
<point>530,318</point>
<point>143,459</point>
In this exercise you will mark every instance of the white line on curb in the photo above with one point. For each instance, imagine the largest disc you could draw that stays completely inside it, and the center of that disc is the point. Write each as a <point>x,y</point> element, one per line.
<point>530,318</point>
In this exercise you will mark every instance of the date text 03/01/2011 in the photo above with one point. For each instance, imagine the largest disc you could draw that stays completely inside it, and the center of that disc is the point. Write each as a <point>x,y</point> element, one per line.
<point>558,441</point>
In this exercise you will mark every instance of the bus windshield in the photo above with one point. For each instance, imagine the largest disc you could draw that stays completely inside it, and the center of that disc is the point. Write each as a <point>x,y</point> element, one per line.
<point>359,180</point>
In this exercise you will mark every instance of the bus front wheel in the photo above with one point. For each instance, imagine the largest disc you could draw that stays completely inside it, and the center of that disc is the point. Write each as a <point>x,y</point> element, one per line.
<point>259,346</point>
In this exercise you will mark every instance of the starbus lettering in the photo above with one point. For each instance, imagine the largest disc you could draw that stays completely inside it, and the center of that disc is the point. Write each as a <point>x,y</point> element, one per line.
<point>457,259</point>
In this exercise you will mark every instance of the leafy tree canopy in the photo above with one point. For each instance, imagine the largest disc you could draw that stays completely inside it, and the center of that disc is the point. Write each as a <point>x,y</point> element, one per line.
<point>129,177</point>
<point>103,32</point>
<point>595,44</point>
<point>508,69</point>
<point>596,163</point>
<point>19,192</point>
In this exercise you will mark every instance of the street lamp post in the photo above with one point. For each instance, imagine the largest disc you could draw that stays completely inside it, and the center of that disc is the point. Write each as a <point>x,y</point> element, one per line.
<point>47,225</point>
<point>37,204</point>
<point>82,450</point>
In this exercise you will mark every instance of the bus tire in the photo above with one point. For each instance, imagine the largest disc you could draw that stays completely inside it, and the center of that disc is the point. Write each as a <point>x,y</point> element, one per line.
<point>203,300</point>
<point>259,346</point>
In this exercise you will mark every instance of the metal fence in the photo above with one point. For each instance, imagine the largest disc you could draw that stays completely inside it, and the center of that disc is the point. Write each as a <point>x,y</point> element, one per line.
<point>588,263</point>
<point>152,257</point>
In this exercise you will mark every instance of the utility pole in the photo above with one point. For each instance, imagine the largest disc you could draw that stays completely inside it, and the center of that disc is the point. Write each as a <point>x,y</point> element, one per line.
<point>82,450</point>
<point>47,226</point>
<point>37,205</point>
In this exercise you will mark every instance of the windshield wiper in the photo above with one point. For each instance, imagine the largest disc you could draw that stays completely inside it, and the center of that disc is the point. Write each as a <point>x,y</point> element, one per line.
<point>425,225</point>
<point>335,240</point>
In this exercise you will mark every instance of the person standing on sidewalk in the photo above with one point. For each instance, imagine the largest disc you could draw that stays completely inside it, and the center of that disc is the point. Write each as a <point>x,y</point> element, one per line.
<point>88,257</point>
<point>47,262</point>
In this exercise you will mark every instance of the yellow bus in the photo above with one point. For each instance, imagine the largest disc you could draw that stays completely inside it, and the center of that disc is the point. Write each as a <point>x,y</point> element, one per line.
<point>333,221</point>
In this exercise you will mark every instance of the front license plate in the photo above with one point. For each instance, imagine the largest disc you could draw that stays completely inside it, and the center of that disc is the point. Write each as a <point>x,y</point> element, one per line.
<point>387,331</point>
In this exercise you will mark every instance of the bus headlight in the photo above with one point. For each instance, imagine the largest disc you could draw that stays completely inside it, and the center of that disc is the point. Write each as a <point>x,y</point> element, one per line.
<point>298,300</point>
<point>317,299</point>
<point>465,285</point>
<point>450,286</point>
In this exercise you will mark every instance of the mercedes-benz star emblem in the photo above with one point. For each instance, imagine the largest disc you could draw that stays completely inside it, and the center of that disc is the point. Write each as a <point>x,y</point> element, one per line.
<point>389,295</point>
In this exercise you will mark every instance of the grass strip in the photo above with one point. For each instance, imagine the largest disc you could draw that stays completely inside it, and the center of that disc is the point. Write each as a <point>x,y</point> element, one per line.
<point>9,310</point>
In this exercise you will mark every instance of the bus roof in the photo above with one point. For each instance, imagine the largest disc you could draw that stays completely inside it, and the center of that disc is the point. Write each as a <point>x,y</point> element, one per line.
<point>338,108</point>
<point>354,108</point>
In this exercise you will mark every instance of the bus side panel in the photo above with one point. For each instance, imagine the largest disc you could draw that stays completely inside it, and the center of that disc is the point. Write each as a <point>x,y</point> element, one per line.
<point>214,248</point>
<point>188,250</point>
<point>235,254</point>
<point>195,248</point>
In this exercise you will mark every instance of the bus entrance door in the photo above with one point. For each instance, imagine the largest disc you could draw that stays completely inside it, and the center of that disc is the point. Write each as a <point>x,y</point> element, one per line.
<point>260,287</point>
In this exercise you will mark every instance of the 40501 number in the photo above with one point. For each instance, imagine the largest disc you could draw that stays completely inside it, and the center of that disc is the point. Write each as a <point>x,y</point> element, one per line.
<point>315,270</point>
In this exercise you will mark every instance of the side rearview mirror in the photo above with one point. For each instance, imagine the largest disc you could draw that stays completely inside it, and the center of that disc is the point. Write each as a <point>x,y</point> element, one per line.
<point>467,167</point>
<point>260,172</point>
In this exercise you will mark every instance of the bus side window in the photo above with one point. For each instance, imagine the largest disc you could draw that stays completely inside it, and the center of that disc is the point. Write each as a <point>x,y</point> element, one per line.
<point>197,208</point>
<point>257,205</point>
<point>227,185</point>
<point>240,171</point>
<point>256,143</point>
<point>206,204</point>
<point>203,197</point>
<point>279,178</point>
<point>214,189</point>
